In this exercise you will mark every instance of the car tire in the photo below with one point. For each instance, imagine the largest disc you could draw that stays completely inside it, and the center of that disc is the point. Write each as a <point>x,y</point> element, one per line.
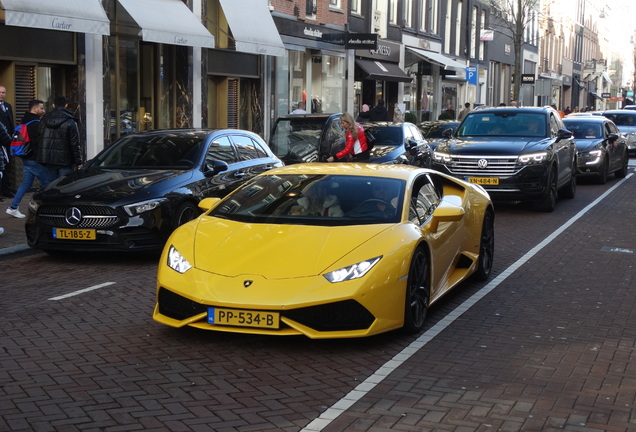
<point>569,190</point>
<point>548,203</point>
<point>418,289</point>
<point>185,213</point>
<point>602,174</point>
<point>486,247</point>
<point>622,172</point>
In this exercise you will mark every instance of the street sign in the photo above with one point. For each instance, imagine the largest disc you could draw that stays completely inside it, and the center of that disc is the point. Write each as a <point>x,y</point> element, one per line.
<point>605,95</point>
<point>471,75</point>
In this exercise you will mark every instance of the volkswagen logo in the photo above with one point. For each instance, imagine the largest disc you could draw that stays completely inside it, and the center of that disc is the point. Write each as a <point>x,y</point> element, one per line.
<point>482,163</point>
<point>247,283</point>
<point>73,216</point>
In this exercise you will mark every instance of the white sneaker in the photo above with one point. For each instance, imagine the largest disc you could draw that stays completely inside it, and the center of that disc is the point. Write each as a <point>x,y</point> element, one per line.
<point>15,213</point>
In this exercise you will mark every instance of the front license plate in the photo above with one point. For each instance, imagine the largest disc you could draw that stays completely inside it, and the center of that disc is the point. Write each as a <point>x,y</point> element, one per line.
<point>74,234</point>
<point>483,180</point>
<point>243,318</point>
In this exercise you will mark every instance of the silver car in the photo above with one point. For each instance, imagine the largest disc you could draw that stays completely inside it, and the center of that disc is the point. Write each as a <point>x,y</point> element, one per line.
<point>625,120</point>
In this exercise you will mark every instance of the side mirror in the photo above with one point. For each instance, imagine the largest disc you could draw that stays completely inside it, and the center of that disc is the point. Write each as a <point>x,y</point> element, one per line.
<point>563,134</point>
<point>215,167</point>
<point>446,211</point>
<point>447,133</point>
<point>612,137</point>
<point>207,203</point>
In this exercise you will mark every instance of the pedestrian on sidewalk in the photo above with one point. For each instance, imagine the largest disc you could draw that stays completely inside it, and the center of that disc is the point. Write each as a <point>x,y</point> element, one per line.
<point>5,140</point>
<point>59,146</point>
<point>30,168</point>
<point>6,118</point>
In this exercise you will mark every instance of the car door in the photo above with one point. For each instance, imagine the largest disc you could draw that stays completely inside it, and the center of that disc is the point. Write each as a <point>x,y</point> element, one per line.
<point>565,150</point>
<point>614,148</point>
<point>422,151</point>
<point>252,157</point>
<point>220,183</point>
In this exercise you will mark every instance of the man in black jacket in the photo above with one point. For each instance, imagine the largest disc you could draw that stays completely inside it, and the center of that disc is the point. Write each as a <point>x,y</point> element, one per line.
<point>30,168</point>
<point>59,146</point>
<point>5,140</point>
<point>379,112</point>
<point>6,118</point>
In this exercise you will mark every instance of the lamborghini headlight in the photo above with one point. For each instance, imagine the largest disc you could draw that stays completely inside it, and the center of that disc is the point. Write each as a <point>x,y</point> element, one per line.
<point>354,271</point>
<point>176,261</point>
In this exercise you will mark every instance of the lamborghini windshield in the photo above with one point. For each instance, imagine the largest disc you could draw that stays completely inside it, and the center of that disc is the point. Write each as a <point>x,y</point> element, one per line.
<point>329,200</point>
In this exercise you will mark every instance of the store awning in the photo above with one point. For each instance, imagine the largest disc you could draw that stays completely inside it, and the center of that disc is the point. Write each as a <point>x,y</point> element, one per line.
<point>253,27</point>
<point>168,22</point>
<point>606,77</point>
<point>383,71</point>
<point>438,59</point>
<point>79,16</point>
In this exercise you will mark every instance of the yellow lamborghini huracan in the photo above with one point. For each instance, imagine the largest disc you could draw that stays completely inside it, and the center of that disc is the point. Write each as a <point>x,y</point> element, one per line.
<point>327,251</point>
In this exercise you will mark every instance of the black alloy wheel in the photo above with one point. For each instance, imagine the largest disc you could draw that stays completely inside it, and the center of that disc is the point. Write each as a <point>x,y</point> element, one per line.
<point>622,172</point>
<point>417,292</point>
<point>486,247</point>
<point>185,213</point>
<point>602,172</point>
<point>548,203</point>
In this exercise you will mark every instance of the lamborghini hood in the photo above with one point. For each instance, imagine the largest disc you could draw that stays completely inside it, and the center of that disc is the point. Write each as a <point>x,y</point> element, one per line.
<point>275,251</point>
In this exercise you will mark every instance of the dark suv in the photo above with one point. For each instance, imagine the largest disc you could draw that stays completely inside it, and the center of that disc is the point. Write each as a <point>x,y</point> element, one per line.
<point>516,154</point>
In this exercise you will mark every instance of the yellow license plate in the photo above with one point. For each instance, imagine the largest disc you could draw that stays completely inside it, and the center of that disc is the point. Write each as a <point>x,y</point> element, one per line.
<point>483,180</point>
<point>74,234</point>
<point>243,318</point>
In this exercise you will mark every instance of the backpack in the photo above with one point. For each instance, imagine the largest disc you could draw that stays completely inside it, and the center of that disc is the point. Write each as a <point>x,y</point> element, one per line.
<point>20,141</point>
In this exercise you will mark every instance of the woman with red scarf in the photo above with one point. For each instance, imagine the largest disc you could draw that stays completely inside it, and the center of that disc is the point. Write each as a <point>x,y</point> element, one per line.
<point>356,147</point>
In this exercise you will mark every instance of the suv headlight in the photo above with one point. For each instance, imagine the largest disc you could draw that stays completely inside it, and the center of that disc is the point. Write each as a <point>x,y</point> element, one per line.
<point>532,158</point>
<point>441,157</point>
<point>354,271</point>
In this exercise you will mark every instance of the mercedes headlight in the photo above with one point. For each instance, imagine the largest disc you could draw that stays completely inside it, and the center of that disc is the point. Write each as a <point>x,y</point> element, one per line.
<point>354,271</point>
<point>142,207</point>
<point>532,158</point>
<point>177,262</point>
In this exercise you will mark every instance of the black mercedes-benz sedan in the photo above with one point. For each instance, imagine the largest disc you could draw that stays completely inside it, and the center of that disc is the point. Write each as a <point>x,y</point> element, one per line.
<point>600,146</point>
<point>133,194</point>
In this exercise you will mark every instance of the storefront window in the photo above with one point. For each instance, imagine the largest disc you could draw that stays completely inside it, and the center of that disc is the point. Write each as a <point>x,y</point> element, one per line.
<point>123,87</point>
<point>167,94</point>
<point>328,85</point>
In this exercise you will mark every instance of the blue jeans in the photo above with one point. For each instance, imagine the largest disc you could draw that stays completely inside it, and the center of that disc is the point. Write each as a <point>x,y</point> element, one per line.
<point>31,170</point>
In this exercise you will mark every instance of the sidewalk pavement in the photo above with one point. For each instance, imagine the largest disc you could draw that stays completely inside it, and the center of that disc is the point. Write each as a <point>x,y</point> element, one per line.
<point>14,239</point>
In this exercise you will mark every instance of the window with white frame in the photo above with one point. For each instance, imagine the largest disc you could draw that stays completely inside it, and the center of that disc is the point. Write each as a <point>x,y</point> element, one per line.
<point>473,33</point>
<point>355,7</point>
<point>482,44</point>
<point>335,4</point>
<point>393,11</point>
<point>458,27</point>
<point>448,26</point>
<point>408,13</point>
<point>423,15</point>
<point>434,16</point>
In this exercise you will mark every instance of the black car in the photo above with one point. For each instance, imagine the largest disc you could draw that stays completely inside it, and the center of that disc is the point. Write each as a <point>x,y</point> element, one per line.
<point>434,131</point>
<point>400,143</point>
<point>300,138</point>
<point>315,137</point>
<point>516,154</point>
<point>601,148</point>
<point>133,194</point>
